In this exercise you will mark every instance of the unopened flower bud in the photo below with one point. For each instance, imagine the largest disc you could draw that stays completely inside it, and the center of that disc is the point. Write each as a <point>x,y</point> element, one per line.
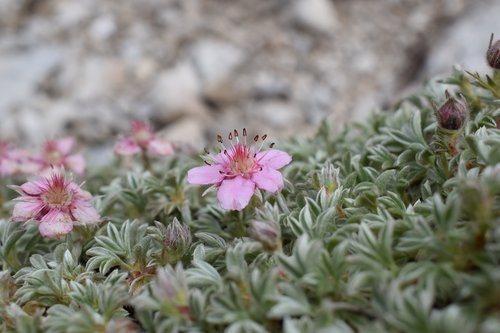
<point>329,177</point>
<point>177,240</point>
<point>452,115</point>
<point>493,53</point>
<point>172,291</point>
<point>267,233</point>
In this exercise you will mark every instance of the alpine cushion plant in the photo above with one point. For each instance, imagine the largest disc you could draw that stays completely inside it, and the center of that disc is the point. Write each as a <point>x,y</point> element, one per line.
<point>391,225</point>
<point>56,203</point>
<point>239,169</point>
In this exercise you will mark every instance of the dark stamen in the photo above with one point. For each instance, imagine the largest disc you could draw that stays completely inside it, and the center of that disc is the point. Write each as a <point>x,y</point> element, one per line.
<point>256,138</point>
<point>235,133</point>
<point>264,137</point>
<point>225,152</point>
<point>271,145</point>
<point>230,136</point>
<point>206,151</point>
<point>207,163</point>
<point>244,132</point>
<point>219,138</point>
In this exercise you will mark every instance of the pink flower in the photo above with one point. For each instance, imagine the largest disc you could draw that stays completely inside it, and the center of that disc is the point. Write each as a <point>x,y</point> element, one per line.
<point>56,203</point>
<point>143,139</point>
<point>11,159</point>
<point>57,153</point>
<point>238,170</point>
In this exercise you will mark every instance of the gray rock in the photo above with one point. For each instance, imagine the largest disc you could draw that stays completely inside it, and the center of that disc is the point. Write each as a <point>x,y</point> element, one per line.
<point>98,77</point>
<point>187,130</point>
<point>103,27</point>
<point>17,84</point>
<point>176,90</point>
<point>315,15</point>
<point>270,86</point>
<point>278,114</point>
<point>72,13</point>
<point>465,42</point>
<point>317,104</point>
<point>215,61</point>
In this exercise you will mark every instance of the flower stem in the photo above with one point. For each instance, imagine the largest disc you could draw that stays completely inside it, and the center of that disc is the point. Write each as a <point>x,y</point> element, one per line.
<point>444,164</point>
<point>146,162</point>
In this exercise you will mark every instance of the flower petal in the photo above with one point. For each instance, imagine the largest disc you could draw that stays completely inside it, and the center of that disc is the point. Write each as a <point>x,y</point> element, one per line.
<point>273,158</point>
<point>127,146</point>
<point>34,187</point>
<point>204,175</point>
<point>8,167</point>
<point>65,145</point>
<point>78,193</point>
<point>84,213</point>
<point>268,179</point>
<point>55,224</point>
<point>235,194</point>
<point>25,211</point>
<point>160,147</point>
<point>75,163</point>
<point>31,166</point>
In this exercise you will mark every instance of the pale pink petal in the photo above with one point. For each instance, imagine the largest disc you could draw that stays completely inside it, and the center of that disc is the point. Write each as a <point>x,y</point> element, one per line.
<point>222,159</point>
<point>127,146</point>
<point>235,194</point>
<point>55,224</point>
<point>8,167</point>
<point>160,147</point>
<point>80,194</point>
<point>65,145</point>
<point>76,163</point>
<point>84,213</point>
<point>273,158</point>
<point>24,211</point>
<point>268,179</point>
<point>204,175</point>
<point>31,166</point>
<point>34,187</point>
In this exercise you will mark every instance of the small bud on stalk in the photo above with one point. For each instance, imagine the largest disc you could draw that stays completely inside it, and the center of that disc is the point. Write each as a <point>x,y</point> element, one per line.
<point>267,233</point>
<point>177,240</point>
<point>493,53</point>
<point>452,115</point>
<point>329,177</point>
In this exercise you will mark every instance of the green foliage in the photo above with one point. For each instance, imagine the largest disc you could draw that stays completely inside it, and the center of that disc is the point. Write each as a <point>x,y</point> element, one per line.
<point>392,225</point>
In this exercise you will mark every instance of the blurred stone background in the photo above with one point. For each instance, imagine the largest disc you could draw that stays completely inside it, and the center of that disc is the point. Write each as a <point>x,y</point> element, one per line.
<point>196,67</point>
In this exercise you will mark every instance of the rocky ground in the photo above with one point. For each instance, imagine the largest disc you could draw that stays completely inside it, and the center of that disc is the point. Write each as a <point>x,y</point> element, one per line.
<point>196,67</point>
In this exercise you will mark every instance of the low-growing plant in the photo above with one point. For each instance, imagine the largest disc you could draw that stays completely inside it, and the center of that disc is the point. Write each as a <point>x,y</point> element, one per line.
<point>390,225</point>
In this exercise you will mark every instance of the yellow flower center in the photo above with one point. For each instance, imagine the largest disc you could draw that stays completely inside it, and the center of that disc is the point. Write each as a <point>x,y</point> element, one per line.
<point>53,157</point>
<point>58,197</point>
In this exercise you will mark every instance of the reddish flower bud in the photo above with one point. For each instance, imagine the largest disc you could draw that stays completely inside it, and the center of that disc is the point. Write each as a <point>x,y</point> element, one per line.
<point>452,115</point>
<point>267,233</point>
<point>493,53</point>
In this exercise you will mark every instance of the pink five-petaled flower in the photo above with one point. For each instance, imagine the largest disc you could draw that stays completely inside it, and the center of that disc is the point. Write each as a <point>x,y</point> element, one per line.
<point>239,169</point>
<point>143,139</point>
<point>56,202</point>
<point>57,153</point>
